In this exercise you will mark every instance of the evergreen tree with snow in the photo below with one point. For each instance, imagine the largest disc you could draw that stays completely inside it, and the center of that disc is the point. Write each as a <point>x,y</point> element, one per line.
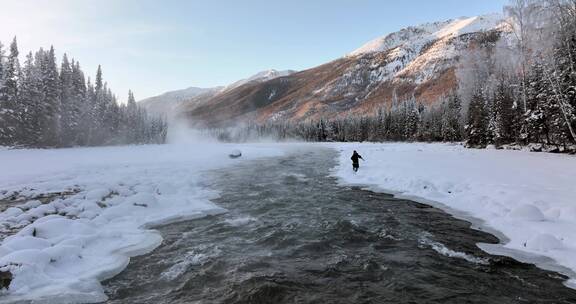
<point>535,127</point>
<point>478,120</point>
<point>43,106</point>
<point>31,96</point>
<point>50,119</point>
<point>10,109</point>
<point>450,126</point>
<point>70,110</point>
<point>504,114</point>
<point>4,131</point>
<point>411,119</point>
<point>131,118</point>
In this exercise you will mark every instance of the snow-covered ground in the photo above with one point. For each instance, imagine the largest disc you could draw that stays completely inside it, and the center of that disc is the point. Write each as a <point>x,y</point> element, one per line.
<point>61,250</point>
<point>529,198</point>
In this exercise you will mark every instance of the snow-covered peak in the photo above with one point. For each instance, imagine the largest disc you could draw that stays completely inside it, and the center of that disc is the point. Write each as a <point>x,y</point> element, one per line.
<point>260,77</point>
<point>269,74</point>
<point>415,36</point>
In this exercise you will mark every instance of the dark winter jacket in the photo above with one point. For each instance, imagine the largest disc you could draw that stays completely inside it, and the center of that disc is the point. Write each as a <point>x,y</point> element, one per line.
<point>356,157</point>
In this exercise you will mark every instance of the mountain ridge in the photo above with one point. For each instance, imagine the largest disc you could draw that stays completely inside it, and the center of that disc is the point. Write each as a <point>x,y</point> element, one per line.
<point>417,61</point>
<point>166,103</point>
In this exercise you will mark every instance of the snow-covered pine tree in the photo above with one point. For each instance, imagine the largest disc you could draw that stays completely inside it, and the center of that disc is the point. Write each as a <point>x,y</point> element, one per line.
<point>88,113</point>
<point>78,104</point>
<point>97,103</point>
<point>1,65</point>
<point>31,97</point>
<point>535,123</point>
<point>110,116</point>
<point>50,118</point>
<point>4,131</point>
<point>451,118</point>
<point>504,113</point>
<point>69,107</point>
<point>10,115</point>
<point>411,119</point>
<point>131,118</point>
<point>562,78</point>
<point>477,127</point>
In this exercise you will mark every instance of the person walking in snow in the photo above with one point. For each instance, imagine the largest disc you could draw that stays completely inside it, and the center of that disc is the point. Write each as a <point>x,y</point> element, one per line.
<point>356,161</point>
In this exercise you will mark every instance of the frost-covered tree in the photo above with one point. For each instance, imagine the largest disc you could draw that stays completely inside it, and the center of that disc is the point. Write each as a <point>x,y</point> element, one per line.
<point>42,105</point>
<point>450,119</point>
<point>504,114</point>
<point>69,103</point>
<point>524,18</point>
<point>31,96</point>
<point>9,105</point>
<point>50,119</point>
<point>478,122</point>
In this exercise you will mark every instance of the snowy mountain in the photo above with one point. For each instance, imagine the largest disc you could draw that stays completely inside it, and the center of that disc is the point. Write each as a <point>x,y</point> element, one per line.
<point>169,102</point>
<point>260,77</point>
<point>418,50</point>
<point>166,103</point>
<point>416,61</point>
<point>414,38</point>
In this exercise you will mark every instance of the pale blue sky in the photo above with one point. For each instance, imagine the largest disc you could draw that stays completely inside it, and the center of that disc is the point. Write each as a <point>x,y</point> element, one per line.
<point>153,46</point>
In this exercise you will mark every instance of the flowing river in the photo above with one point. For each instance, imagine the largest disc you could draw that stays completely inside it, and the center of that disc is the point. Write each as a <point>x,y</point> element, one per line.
<point>294,235</point>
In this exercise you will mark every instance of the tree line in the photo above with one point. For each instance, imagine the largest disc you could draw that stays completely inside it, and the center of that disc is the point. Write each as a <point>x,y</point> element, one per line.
<point>406,120</point>
<point>518,90</point>
<point>523,90</point>
<point>43,105</point>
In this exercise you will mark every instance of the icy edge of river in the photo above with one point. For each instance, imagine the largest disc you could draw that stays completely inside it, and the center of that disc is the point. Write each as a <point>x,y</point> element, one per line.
<point>491,189</point>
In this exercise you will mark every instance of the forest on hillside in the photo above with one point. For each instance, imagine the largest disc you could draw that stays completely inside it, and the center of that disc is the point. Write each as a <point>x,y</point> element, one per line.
<point>518,89</point>
<point>42,105</point>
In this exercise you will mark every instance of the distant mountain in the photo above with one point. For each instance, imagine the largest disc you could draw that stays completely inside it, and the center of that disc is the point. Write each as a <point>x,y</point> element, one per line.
<point>166,103</point>
<point>260,77</point>
<point>169,102</point>
<point>418,60</point>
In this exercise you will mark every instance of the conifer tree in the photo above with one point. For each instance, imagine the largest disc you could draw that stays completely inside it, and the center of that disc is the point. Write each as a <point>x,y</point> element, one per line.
<point>69,107</point>
<point>43,106</point>
<point>478,120</point>
<point>31,97</point>
<point>10,115</point>
<point>504,114</point>
<point>450,126</point>
<point>50,119</point>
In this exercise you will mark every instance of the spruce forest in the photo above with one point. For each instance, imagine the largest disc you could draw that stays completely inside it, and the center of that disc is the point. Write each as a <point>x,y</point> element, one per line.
<point>42,105</point>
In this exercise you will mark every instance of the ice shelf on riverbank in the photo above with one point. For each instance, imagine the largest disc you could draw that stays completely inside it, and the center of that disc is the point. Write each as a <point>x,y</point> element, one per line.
<point>529,197</point>
<point>61,248</point>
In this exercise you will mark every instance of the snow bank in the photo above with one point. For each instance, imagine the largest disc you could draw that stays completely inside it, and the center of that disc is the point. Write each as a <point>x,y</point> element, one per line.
<point>59,250</point>
<point>529,197</point>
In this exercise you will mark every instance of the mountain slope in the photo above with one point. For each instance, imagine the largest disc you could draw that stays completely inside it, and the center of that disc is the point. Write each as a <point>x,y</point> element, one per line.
<point>260,77</point>
<point>166,103</point>
<point>170,102</point>
<point>417,61</point>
